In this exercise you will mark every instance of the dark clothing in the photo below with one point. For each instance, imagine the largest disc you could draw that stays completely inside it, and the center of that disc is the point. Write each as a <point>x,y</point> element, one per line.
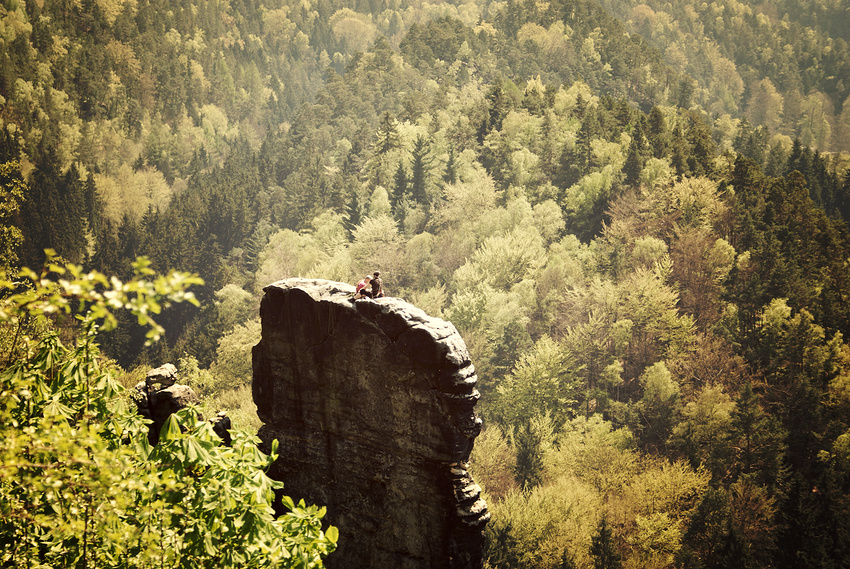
<point>377,288</point>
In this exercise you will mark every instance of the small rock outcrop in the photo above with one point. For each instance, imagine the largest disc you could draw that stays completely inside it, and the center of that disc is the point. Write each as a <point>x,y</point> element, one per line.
<point>372,402</point>
<point>164,376</point>
<point>159,395</point>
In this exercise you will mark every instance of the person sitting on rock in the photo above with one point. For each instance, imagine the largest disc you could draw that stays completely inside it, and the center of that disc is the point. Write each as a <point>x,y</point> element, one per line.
<point>363,289</point>
<point>377,285</point>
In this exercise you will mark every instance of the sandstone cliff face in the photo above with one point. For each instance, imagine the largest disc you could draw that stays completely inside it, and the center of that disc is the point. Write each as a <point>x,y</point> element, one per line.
<point>372,402</point>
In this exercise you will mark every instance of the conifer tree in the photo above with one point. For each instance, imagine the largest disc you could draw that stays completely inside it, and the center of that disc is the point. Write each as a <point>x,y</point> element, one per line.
<point>684,92</point>
<point>603,549</point>
<point>794,158</point>
<point>107,255</point>
<point>680,150</point>
<point>580,107</point>
<point>53,215</point>
<point>657,133</point>
<point>72,219</point>
<point>576,162</point>
<point>752,142</point>
<point>93,205</point>
<point>843,198</point>
<point>776,160</point>
<point>757,439</point>
<point>529,456</point>
<point>498,106</point>
<point>703,149</point>
<point>400,191</point>
<point>633,166</point>
<point>420,170</point>
<point>387,134</point>
<point>353,213</point>
<point>255,244</point>
<point>450,173</point>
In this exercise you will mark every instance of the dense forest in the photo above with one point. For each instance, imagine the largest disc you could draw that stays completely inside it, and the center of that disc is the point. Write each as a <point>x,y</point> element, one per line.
<point>635,214</point>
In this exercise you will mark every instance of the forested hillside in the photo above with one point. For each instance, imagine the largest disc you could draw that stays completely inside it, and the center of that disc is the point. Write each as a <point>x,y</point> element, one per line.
<point>635,214</point>
<point>782,65</point>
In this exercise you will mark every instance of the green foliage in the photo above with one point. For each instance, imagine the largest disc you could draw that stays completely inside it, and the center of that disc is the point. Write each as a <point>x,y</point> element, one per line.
<point>596,452</point>
<point>493,463</point>
<point>605,555</point>
<point>703,434</point>
<point>239,405</point>
<point>12,192</point>
<point>232,365</point>
<point>191,374</point>
<point>658,406</point>
<point>80,483</point>
<point>543,380</point>
<point>592,476</point>
<point>540,527</point>
<point>503,260</point>
<point>731,528</point>
<point>601,248</point>
<point>531,439</point>
<point>758,440</point>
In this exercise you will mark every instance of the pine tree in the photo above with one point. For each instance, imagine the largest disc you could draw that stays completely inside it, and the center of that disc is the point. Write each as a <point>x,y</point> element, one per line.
<point>130,242</point>
<point>633,166</point>
<point>498,106</point>
<point>10,150</point>
<point>107,256</point>
<point>400,191</point>
<point>93,205</point>
<point>842,200</point>
<point>794,158</point>
<point>707,529</point>
<point>353,213</point>
<point>388,138</point>
<point>590,129</point>
<point>420,170</point>
<point>657,133</point>
<point>776,160</point>
<point>576,162</point>
<point>703,149</point>
<point>757,439</point>
<point>752,142</point>
<point>603,550</point>
<point>680,151</point>
<point>580,107</point>
<point>450,174</point>
<point>255,245</point>
<point>71,238</point>
<point>685,92</point>
<point>53,215</point>
<point>528,471</point>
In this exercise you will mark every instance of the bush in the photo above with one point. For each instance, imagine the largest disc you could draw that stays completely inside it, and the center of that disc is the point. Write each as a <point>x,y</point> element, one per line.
<point>79,483</point>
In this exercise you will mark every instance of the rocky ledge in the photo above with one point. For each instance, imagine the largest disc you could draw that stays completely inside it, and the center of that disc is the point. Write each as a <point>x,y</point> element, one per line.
<point>372,402</point>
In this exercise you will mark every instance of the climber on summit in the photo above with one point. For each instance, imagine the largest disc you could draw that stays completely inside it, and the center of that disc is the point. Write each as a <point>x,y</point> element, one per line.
<point>362,290</point>
<point>377,285</point>
<point>370,287</point>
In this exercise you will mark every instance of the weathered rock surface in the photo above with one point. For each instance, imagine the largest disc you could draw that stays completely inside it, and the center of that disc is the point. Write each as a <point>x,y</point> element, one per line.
<point>158,404</point>
<point>372,402</point>
<point>165,375</point>
<point>159,395</point>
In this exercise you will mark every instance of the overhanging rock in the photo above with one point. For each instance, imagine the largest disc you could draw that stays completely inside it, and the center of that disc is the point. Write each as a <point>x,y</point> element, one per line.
<point>372,402</point>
